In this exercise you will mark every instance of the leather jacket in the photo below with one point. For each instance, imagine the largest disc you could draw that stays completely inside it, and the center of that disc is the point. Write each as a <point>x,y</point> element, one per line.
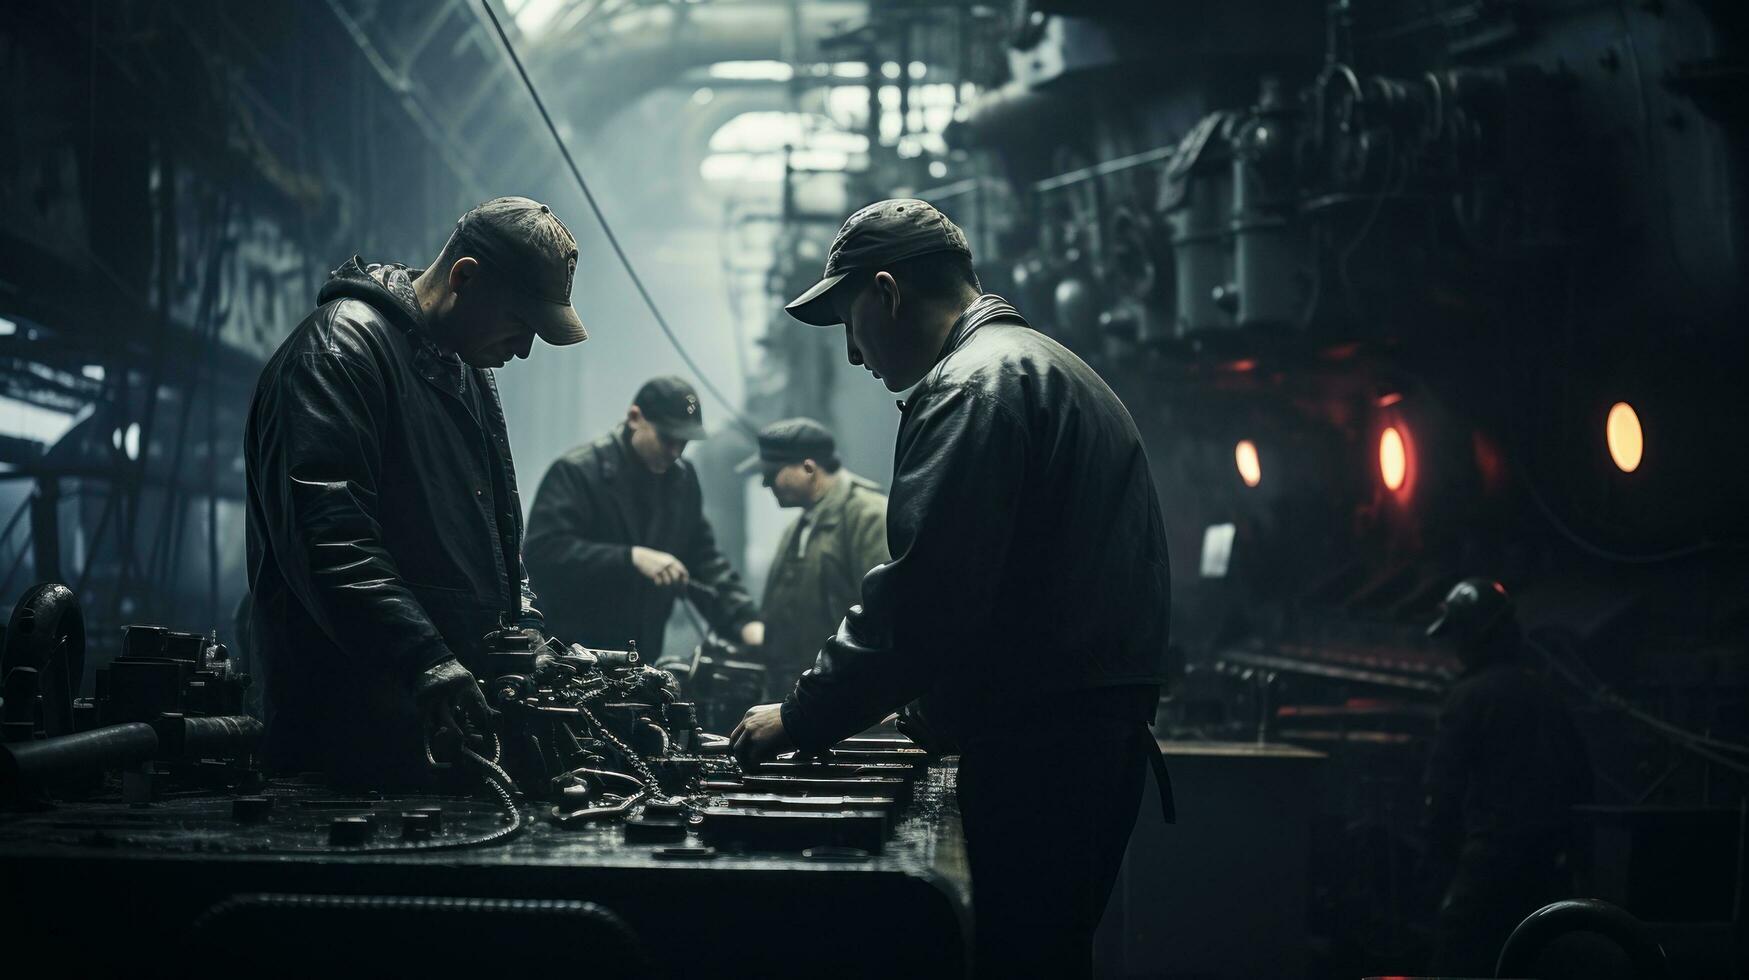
<point>384,527</point>
<point>1029,555</point>
<point>593,505</point>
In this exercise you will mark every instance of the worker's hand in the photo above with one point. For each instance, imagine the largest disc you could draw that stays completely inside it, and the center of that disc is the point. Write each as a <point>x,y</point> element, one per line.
<point>753,634</point>
<point>659,567</point>
<point>760,736</point>
<point>451,704</point>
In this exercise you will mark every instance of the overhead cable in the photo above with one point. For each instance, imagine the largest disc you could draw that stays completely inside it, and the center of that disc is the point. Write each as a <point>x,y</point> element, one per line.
<point>607,230</point>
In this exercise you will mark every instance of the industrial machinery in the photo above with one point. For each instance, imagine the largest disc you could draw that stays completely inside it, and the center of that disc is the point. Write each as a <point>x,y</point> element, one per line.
<point>602,801</point>
<point>168,708</point>
<point>594,734</point>
<point>1397,292</point>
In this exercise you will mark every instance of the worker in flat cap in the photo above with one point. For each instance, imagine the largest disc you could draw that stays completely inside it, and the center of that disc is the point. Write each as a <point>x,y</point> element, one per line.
<point>841,533</point>
<point>618,533</point>
<point>1506,769</point>
<point>384,525</point>
<point>1025,605</point>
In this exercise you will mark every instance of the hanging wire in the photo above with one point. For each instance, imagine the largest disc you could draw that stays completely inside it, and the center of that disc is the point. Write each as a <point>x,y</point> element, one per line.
<point>1705,746</point>
<point>613,240</point>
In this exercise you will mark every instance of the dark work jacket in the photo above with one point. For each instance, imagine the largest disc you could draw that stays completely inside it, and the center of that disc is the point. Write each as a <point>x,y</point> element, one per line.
<point>580,536</point>
<point>1029,557</point>
<point>1507,764</point>
<point>384,529</point>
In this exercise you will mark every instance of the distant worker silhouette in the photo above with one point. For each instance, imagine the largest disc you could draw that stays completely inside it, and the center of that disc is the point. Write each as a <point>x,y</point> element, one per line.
<point>1506,769</point>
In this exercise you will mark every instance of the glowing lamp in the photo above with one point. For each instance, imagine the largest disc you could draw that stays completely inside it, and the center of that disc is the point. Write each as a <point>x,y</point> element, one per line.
<point>1393,459</point>
<point>1627,444</point>
<point>1250,469</point>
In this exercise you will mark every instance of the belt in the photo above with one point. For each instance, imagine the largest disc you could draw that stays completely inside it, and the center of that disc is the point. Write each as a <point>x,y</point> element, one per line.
<point>1168,806</point>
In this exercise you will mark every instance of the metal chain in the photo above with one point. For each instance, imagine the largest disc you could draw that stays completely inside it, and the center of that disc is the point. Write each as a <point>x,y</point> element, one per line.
<point>631,757</point>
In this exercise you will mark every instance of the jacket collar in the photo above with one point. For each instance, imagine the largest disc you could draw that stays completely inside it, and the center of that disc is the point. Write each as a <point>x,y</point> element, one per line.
<point>621,455</point>
<point>984,309</point>
<point>621,468</point>
<point>830,509</point>
<point>389,289</point>
<point>612,451</point>
<point>987,308</point>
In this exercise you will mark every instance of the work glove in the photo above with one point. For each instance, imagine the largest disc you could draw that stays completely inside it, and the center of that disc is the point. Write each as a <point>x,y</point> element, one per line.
<point>452,706</point>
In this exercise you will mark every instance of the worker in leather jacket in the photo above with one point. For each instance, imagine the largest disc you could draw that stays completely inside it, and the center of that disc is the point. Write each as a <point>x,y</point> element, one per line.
<point>384,527</point>
<point>1026,602</point>
<point>617,533</point>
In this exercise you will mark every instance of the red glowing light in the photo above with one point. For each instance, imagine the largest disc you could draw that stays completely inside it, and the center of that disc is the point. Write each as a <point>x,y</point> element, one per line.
<point>1393,459</point>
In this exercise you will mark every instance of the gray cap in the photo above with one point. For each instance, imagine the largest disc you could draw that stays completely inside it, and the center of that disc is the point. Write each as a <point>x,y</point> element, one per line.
<point>791,441</point>
<point>526,243</point>
<point>876,236</point>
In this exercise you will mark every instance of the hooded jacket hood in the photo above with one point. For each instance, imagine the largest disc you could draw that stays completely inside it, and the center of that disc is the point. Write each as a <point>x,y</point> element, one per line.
<point>387,286</point>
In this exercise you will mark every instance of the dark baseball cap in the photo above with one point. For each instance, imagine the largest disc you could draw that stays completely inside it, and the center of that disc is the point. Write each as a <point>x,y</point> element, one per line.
<point>1472,609</point>
<point>528,245</point>
<point>876,236</point>
<point>791,441</point>
<point>672,407</point>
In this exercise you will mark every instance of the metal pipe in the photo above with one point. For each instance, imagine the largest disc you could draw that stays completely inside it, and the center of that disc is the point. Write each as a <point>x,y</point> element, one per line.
<point>33,763</point>
<point>184,737</point>
<point>1107,168</point>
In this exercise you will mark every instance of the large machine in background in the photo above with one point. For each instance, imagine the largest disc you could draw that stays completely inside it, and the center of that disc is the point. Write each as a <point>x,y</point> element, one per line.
<point>1400,292</point>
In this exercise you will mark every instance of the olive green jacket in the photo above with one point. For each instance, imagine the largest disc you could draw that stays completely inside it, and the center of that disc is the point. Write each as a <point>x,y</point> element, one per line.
<point>806,596</point>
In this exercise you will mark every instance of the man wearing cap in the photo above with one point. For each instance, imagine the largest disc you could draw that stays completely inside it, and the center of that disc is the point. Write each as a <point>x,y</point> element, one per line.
<point>1506,769</point>
<point>618,532</point>
<point>1026,602</point>
<point>384,527</point>
<point>822,556</point>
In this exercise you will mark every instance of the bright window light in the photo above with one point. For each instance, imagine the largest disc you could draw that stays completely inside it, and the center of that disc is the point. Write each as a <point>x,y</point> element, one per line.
<point>751,146</point>
<point>771,71</point>
<point>1217,549</point>
<point>1627,443</point>
<point>127,439</point>
<point>532,16</point>
<point>22,420</point>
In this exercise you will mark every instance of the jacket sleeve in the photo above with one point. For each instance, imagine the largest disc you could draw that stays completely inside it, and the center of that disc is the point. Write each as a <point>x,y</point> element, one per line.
<point>318,465</point>
<point>726,605</point>
<point>961,465</point>
<point>559,548</point>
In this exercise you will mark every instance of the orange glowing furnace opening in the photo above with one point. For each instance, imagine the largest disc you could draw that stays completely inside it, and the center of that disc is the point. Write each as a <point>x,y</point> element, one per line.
<point>1627,444</point>
<point>1250,468</point>
<point>1393,459</point>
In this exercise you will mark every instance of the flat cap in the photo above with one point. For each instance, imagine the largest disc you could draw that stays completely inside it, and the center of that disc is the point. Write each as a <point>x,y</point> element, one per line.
<point>791,441</point>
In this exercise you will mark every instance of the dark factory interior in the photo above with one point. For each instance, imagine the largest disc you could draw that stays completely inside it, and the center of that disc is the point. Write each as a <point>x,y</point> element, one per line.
<point>446,525</point>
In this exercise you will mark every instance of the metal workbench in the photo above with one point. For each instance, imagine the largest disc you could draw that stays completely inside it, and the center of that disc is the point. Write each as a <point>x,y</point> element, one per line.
<point>162,887</point>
